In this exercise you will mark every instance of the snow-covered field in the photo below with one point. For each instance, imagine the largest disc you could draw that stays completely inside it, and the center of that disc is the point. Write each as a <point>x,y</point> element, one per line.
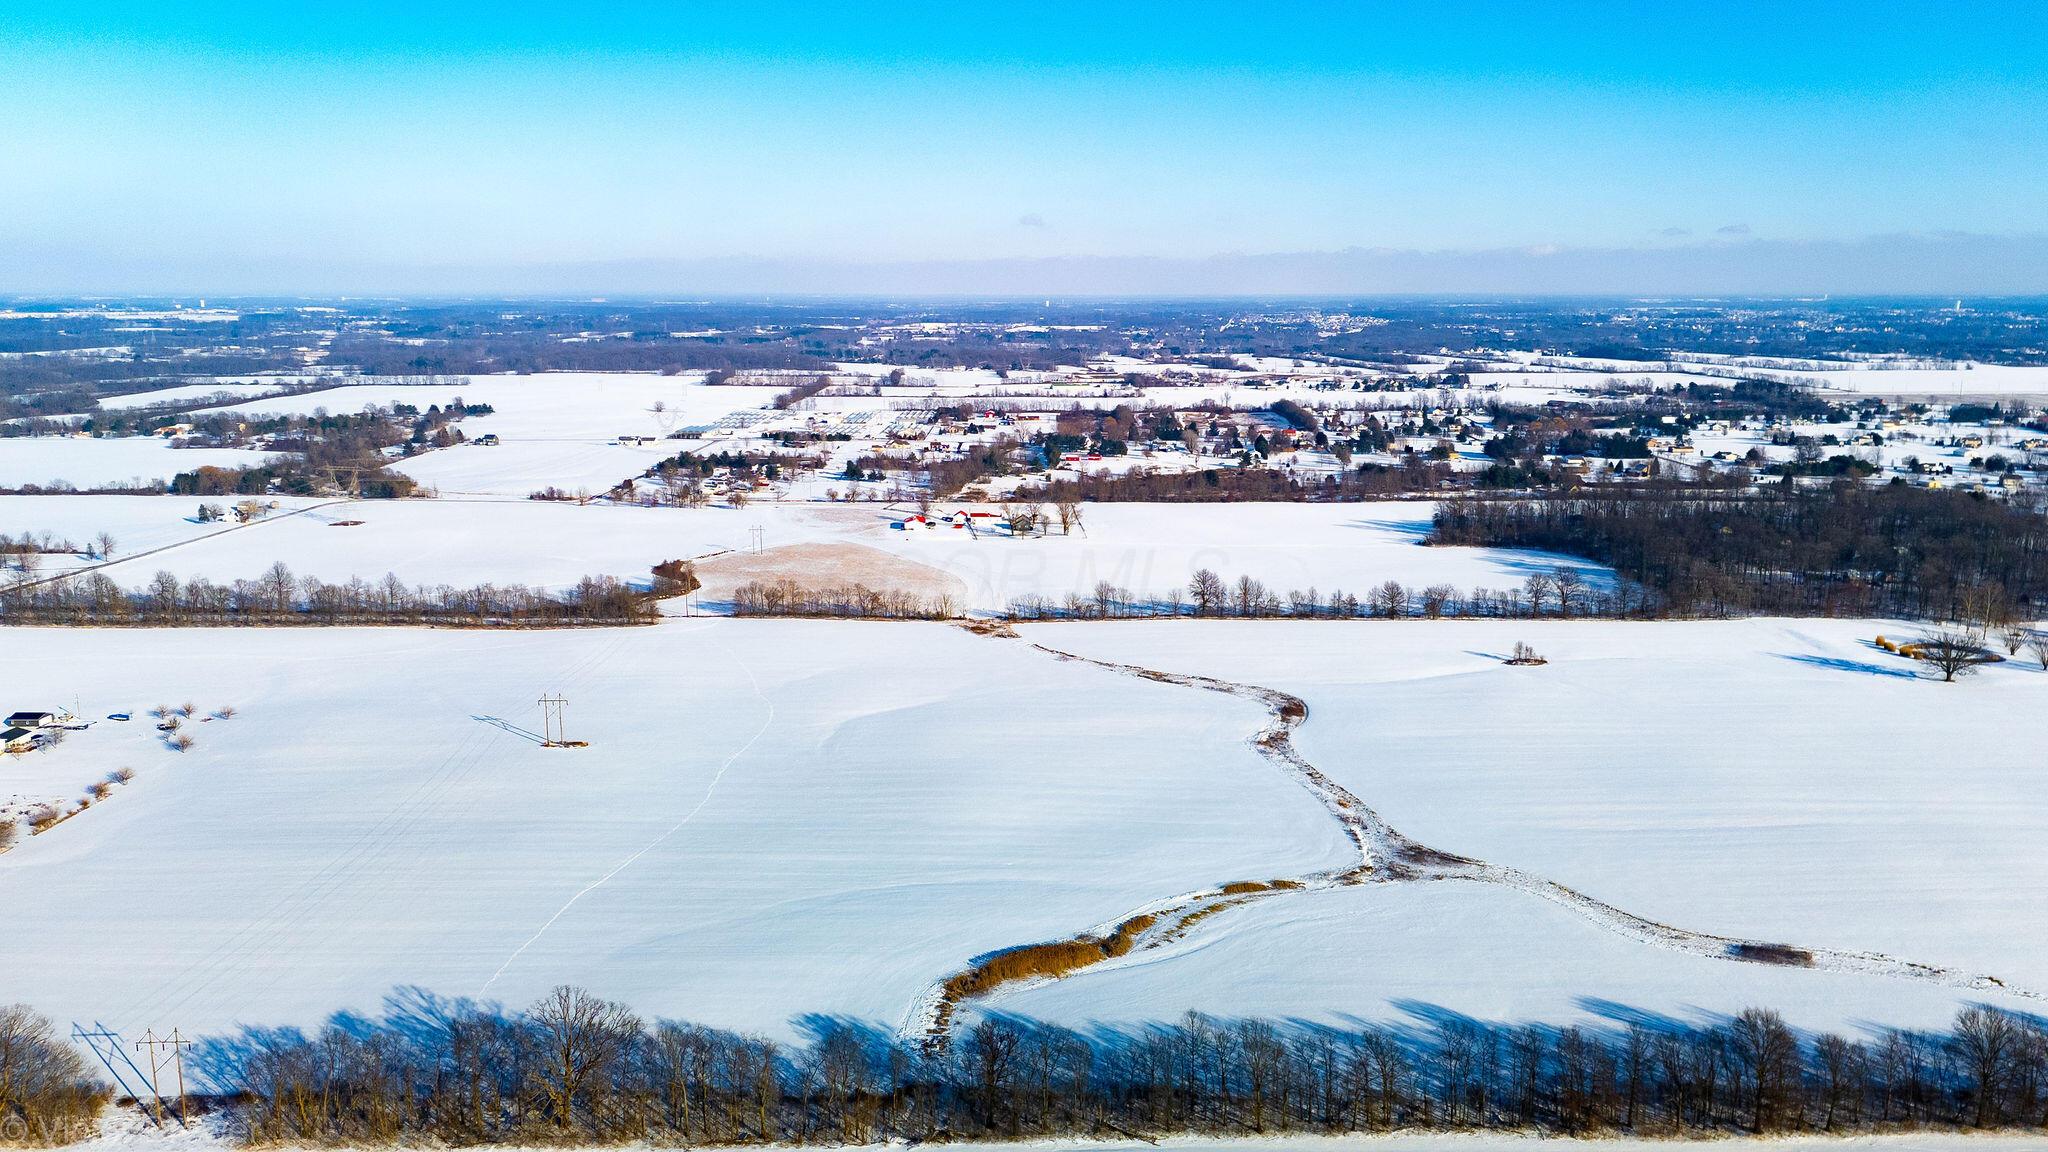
<point>461,543</point>
<point>1152,550</point>
<point>557,428</point>
<point>518,468</point>
<point>84,462</point>
<point>1148,550</point>
<point>744,840</point>
<point>748,837</point>
<point>223,389</point>
<point>1759,779</point>
<point>1962,379</point>
<point>139,525</point>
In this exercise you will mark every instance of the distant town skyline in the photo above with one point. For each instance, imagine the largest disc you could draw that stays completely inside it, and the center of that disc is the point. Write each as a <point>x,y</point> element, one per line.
<point>1188,148</point>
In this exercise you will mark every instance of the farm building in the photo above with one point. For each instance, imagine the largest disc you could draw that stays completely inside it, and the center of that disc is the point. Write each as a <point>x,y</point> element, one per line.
<point>17,740</point>
<point>31,720</point>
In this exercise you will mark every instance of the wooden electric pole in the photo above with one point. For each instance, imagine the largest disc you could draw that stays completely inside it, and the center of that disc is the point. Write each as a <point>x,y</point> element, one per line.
<point>553,732</point>
<point>165,1051</point>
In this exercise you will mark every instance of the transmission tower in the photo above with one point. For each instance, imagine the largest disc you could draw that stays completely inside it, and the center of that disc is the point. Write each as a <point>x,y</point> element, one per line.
<point>757,534</point>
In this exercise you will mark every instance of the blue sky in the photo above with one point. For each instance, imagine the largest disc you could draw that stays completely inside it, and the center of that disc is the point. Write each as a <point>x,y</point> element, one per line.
<point>265,144</point>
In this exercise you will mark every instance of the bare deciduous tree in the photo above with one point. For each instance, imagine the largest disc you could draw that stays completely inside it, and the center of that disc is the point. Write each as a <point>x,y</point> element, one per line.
<point>582,1037</point>
<point>1984,1040</point>
<point>1207,592</point>
<point>1769,1056</point>
<point>1950,653</point>
<point>1567,584</point>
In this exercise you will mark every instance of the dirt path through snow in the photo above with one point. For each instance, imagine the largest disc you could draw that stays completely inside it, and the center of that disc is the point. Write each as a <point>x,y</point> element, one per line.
<point>1385,856</point>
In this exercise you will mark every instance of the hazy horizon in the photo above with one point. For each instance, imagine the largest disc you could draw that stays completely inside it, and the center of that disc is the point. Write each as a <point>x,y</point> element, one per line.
<point>1928,266</point>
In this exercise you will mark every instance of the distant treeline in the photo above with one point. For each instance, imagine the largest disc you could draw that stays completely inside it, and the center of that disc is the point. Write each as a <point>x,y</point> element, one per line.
<point>1847,550</point>
<point>279,597</point>
<point>481,353</point>
<point>576,1069</point>
<point>1561,591</point>
<point>1226,485</point>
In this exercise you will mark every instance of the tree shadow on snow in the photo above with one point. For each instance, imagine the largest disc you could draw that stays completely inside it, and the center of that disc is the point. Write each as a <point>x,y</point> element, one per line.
<point>1840,664</point>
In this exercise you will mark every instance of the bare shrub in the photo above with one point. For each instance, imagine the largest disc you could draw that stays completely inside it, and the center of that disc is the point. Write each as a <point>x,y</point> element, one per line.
<point>1772,954</point>
<point>44,818</point>
<point>182,743</point>
<point>1053,960</point>
<point>225,712</point>
<point>121,775</point>
<point>8,832</point>
<point>47,1091</point>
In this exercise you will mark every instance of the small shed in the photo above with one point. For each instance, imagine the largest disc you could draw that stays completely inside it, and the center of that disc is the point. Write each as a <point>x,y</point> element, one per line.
<point>32,720</point>
<point>17,740</point>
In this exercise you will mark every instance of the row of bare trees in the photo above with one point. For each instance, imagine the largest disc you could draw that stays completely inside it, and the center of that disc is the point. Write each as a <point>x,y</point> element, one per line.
<point>575,1068</point>
<point>788,598</point>
<point>1561,592</point>
<point>281,597</point>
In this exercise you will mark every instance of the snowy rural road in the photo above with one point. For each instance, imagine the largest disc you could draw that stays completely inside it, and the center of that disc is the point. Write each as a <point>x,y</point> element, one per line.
<point>161,548</point>
<point>1385,856</point>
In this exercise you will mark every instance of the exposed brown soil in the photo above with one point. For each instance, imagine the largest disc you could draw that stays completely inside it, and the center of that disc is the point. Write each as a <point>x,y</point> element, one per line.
<point>823,565</point>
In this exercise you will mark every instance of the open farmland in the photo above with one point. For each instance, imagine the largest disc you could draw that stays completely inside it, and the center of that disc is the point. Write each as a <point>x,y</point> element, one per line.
<point>1115,705</point>
<point>740,827</point>
<point>560,430</point>
<point>742,842</point>
<point>61,461</point>
<point>1756,780</point>
<point>1147,552</point>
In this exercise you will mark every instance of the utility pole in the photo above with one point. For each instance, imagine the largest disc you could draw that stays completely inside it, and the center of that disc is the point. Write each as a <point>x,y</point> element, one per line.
<point>757,533</point>
<point>165,1050</point>
<point>553,732</point>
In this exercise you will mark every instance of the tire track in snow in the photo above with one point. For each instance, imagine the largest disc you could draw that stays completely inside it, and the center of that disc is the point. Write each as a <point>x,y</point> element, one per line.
<point>229,958</point>
<point>1388,857</point>
<point>767,722</point>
